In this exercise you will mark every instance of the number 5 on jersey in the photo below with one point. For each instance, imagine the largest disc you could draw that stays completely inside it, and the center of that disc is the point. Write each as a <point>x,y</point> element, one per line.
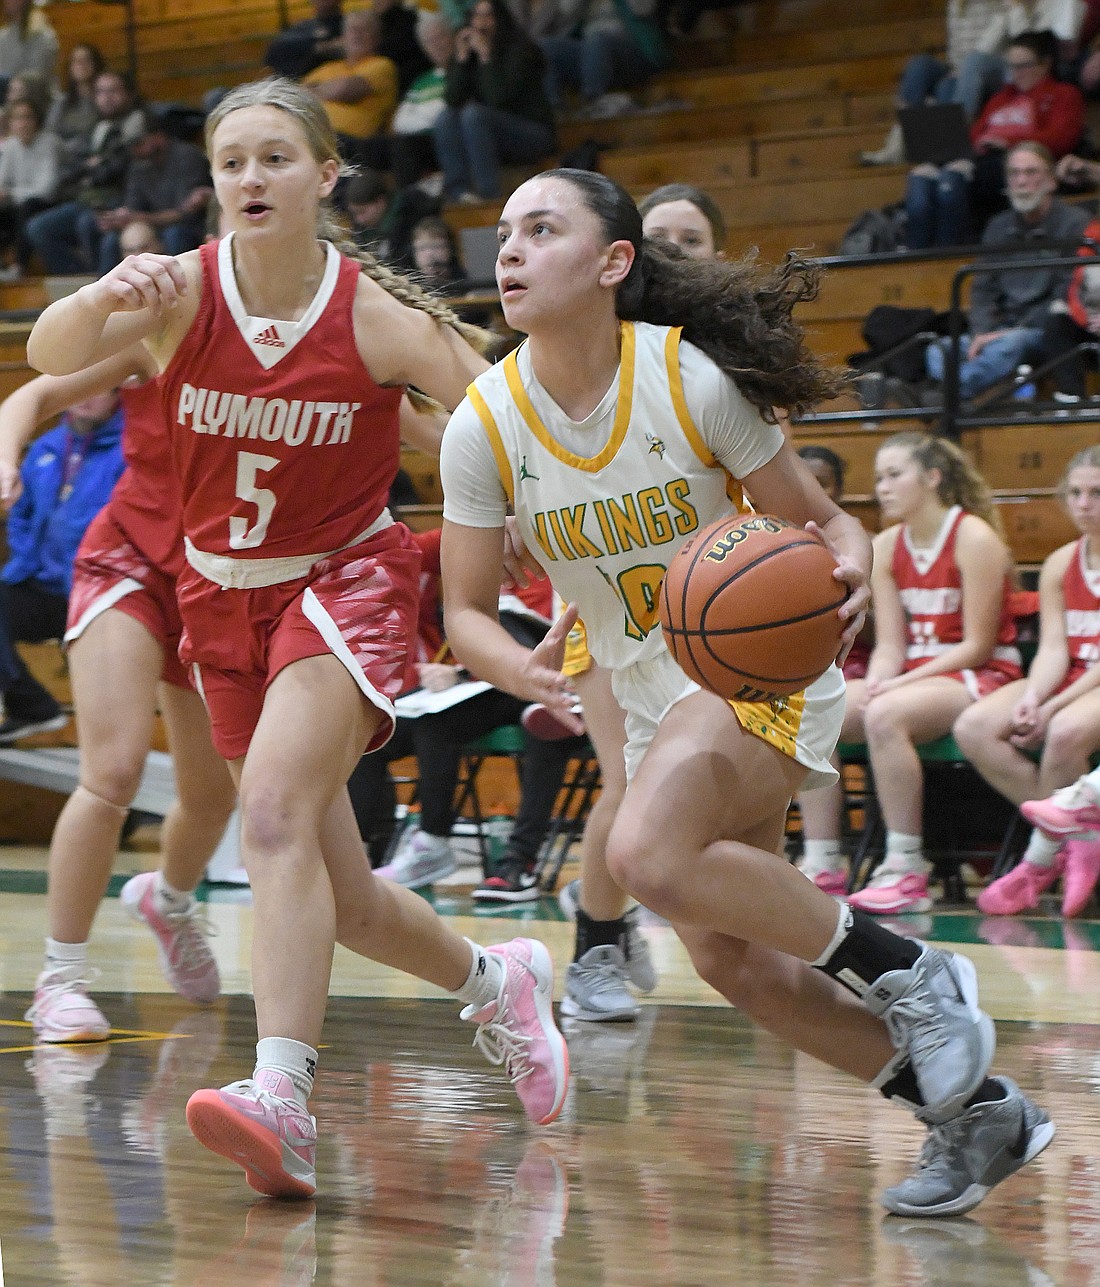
<point>249,464</point>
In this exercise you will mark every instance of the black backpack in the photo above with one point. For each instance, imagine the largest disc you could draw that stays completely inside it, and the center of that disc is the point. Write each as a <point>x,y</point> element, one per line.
<point>875,231</point>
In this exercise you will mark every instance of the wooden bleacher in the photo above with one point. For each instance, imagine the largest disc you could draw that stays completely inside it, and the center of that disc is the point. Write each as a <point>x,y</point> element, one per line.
<point>768,110</point>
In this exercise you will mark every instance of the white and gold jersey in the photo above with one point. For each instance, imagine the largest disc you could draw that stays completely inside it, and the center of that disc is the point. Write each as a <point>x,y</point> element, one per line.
<point>605,526</point>
<point>605,503</point>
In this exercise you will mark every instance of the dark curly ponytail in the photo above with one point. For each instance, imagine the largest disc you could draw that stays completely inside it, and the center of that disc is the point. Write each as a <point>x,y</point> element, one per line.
<point>738,314</point>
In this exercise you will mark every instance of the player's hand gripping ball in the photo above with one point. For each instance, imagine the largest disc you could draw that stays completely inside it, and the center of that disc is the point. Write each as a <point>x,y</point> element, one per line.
<point>749,607</point>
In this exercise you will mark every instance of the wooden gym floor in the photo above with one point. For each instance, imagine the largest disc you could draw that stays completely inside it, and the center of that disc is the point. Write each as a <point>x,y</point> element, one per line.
<point>692,1150</point>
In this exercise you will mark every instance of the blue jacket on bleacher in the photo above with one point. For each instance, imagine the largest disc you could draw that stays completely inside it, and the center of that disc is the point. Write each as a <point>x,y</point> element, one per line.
<point>45,528</point>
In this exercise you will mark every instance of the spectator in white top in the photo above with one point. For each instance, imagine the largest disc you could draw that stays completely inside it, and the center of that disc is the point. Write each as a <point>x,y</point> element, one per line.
<point>30,167</point>
<point>27,42</point>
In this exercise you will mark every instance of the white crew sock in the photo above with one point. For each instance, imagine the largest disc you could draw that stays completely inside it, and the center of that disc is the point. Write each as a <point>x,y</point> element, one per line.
<point>168,900</point>
<point>904,852</point>
<point>484,981</point>
<point>821,855</point>
<point>294,1059</point>
<point>70,957</point>
<point>1042,850</point>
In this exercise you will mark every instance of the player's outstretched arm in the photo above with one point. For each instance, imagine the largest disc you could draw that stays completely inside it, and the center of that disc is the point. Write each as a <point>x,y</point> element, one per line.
<point>46,396</point>
<point>151,298</point>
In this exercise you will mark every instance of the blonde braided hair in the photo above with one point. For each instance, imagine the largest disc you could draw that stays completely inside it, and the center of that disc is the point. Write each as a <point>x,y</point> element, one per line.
<point>308,112</point>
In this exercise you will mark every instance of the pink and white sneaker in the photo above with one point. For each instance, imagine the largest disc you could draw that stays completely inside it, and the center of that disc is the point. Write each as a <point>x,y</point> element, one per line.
<point>1067,812</point>
<point>1082,872</point>
<point>259,1124</point>
<point>62,1009</point>
<point>182,940</point>
<point>893,889</point>
<point>518,1029</point>
<point>1019,890</point>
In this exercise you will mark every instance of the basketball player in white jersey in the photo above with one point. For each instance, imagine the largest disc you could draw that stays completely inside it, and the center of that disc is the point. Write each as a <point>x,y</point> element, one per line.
<point>615,440</point>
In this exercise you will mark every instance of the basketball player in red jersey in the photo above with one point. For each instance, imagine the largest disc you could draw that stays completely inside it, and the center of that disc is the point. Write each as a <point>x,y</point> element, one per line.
<point>123,621</point>
<point>944,636</point>
<point>283,363</point>
<point>1055,711</point>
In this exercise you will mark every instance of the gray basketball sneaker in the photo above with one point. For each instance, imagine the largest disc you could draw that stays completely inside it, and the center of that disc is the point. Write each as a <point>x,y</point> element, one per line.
<point>966,1157</point>
<point>931,1011</point>
<point>640,970</point>
<point>595,988</point>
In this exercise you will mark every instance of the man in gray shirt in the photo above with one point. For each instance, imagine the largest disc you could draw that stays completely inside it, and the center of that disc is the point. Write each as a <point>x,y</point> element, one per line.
<point>1008,308</point>
<point>167,186</point>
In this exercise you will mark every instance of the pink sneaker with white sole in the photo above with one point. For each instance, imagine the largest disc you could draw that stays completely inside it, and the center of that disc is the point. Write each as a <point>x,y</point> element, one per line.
<point>1067,812</point>
<point>892,890</point>
<point>259,1124</point>
<point>182,939</point>
<point>518,1029</point>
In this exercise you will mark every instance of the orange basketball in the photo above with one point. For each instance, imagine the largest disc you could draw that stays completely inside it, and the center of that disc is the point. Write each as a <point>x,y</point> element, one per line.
<point>749,607</point>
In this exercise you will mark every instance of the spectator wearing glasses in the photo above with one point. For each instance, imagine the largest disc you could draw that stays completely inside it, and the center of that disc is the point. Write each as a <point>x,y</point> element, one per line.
<point>943,204</point>
<point>1009,308</point>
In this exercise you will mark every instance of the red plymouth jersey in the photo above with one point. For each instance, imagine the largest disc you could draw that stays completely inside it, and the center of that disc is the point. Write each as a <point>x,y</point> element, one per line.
<point>283,443</point>
<point>145,503</point>
<point>930,587</point>
<point>1081,595</point>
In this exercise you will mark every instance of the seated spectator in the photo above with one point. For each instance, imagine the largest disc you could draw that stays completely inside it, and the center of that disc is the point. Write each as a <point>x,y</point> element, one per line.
<point>66,237</point>
<point>496,109</point>
<point>359,92</point>
<point>1053,713</point>
<point>971,71</point>
<point>1065,330</point>
<point>944,636</point>
<point>167,186</point>
<point>140,238</point>
<point>367,201</point>
<point>1009,308</point>
<point>26,87</point>
<point>73,114</point>
<point>436,258</point>
<point>412,150</point>
<point>305,45</point>
<point>399,41</point>
<point>686,216</point>
<point>27,42</point>
<point>943,204</point>
<point>65,480</point>
<point>608,46</point>
<point>30,170</point>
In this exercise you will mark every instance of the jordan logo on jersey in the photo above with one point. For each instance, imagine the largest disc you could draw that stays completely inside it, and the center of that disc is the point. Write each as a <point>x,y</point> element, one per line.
<point>524,472</point>
<point>270,337</point>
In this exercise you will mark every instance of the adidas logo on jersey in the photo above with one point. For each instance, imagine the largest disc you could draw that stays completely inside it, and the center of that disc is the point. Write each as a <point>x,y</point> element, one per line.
<point>271,337</point>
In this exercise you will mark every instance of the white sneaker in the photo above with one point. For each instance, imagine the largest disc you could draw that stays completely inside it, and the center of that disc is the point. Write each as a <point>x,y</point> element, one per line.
<point>420,860</point>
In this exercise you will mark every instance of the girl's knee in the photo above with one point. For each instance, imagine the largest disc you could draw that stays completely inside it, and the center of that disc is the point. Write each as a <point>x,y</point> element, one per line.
<point>1067,737</point>
<point>115,779</point>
